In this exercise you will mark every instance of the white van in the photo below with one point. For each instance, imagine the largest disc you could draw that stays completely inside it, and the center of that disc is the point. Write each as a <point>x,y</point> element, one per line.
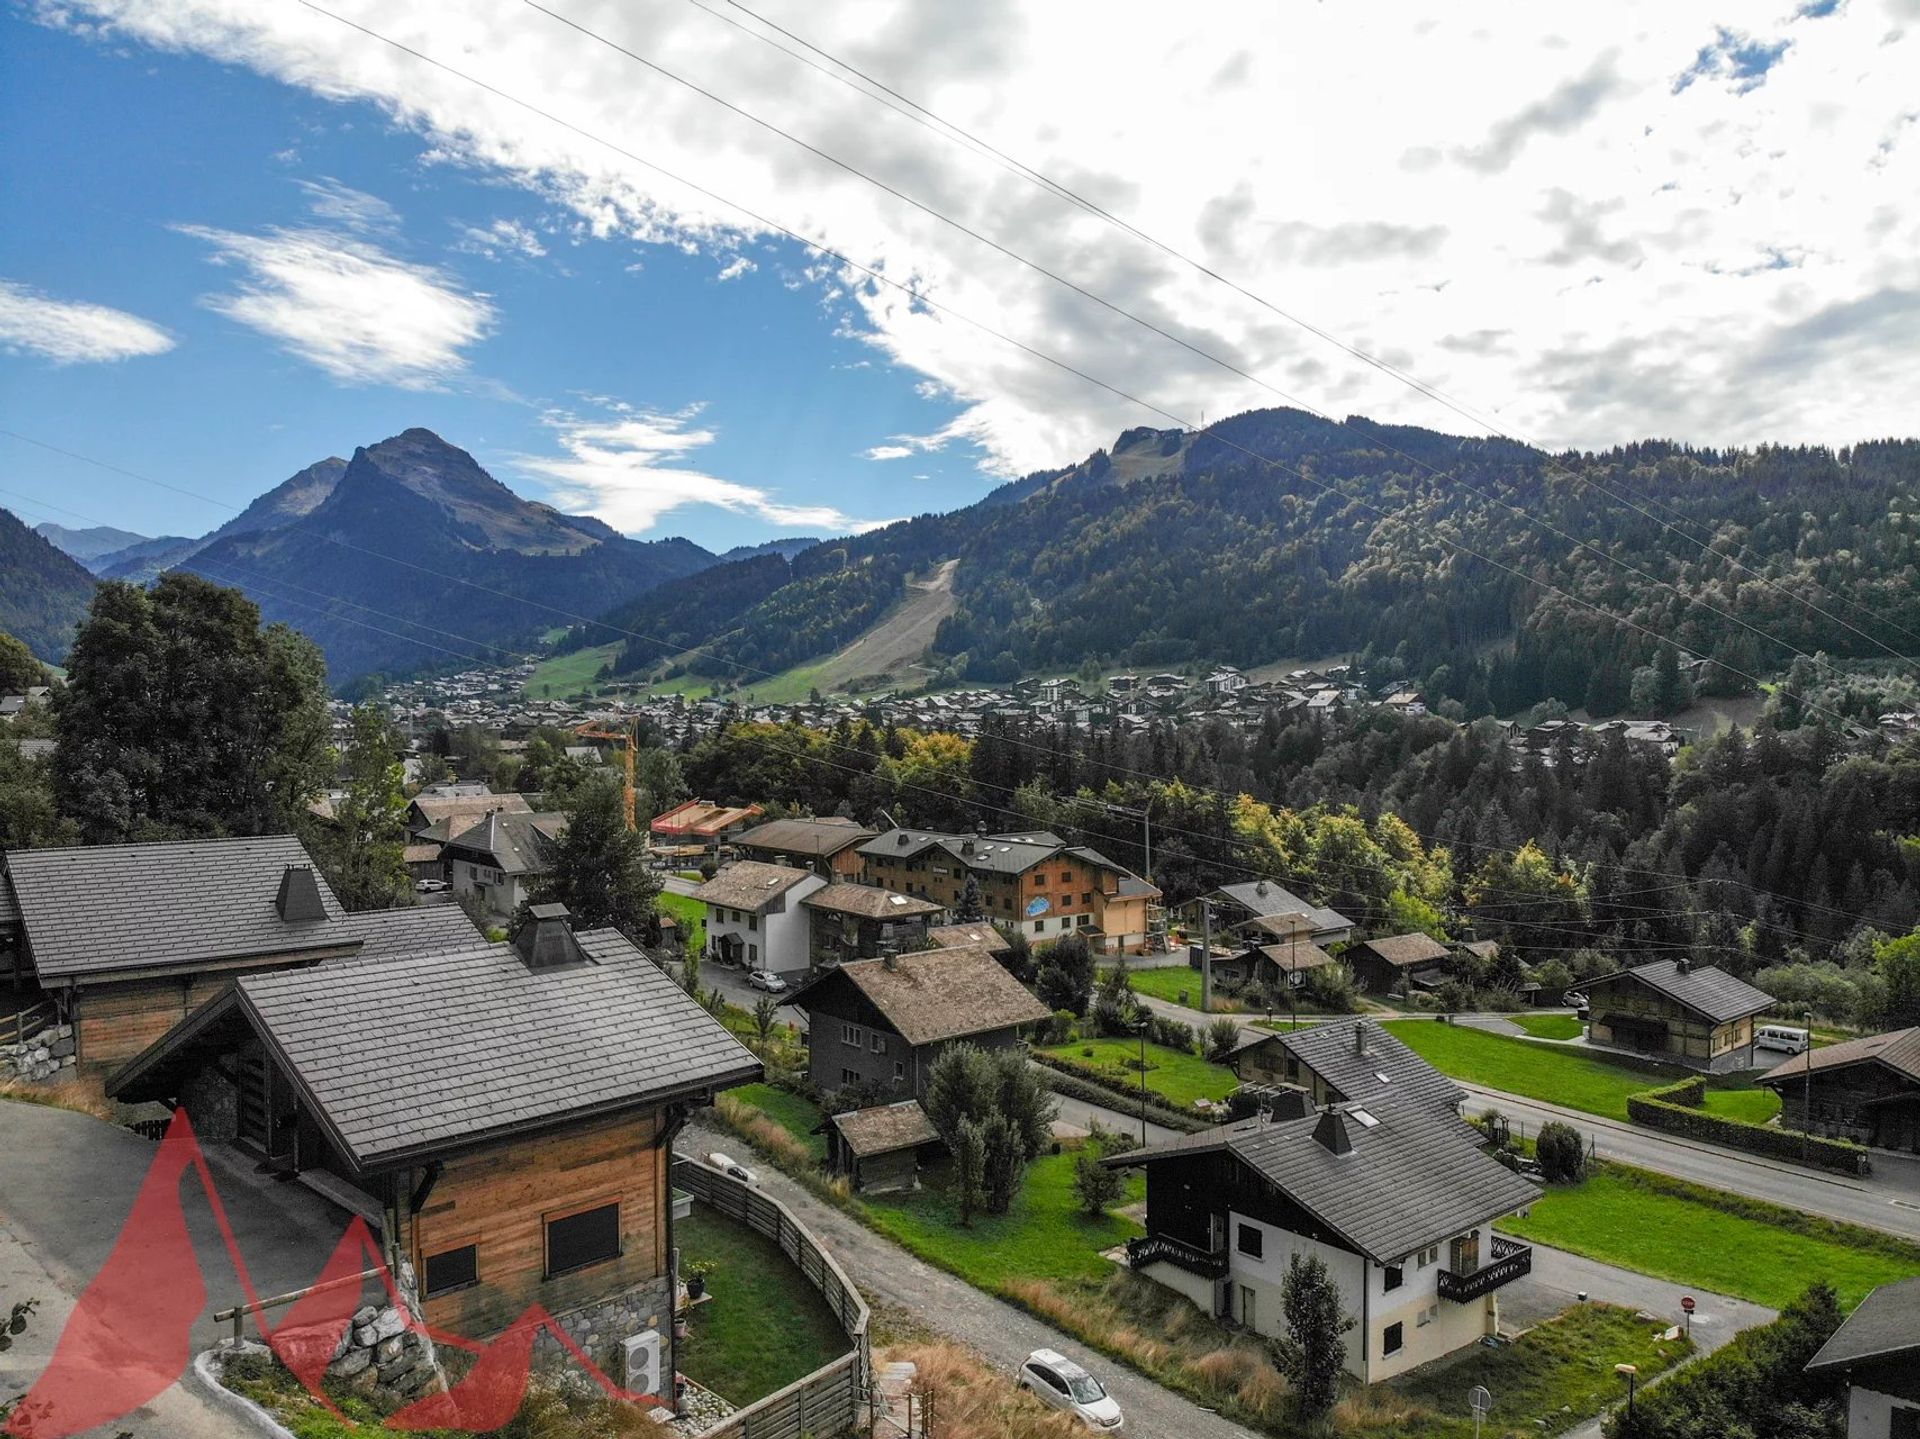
<point>1781,1036</point>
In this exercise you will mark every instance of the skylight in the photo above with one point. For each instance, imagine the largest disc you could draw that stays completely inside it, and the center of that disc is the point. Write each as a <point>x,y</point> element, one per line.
<point>1362,1117</point>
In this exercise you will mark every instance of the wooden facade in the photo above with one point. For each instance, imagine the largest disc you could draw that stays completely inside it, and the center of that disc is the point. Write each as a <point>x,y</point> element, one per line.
<point>1071,894</point>
<point>849,1041</point>
<point>1630,1015</point>
<point>114,1019</point>
<point>1868,1103</point>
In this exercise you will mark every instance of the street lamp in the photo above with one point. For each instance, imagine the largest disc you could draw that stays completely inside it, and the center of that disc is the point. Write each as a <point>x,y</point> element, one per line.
<point>1806,1091</point>
<point>1631,1371</point>
<point>1140,1028</point>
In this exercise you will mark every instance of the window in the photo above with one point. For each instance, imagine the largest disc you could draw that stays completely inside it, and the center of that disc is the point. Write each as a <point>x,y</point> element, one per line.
<point>1905,1424</point>
<point>1065,877</point>
<point>1251,1241</point>
<point>1039,926</point>
<point>1427,1316</point>
<point>1086,921</point>
<point>1247,1307</point>
<point>899,1069</point>
<point>1394,1337</point>
<point>1050,1379</point>
<point>753,922</point>
<point>1086,901</point>
<point>850,1034</point>
<point>589,1237</point>
<point>452,1269</point>
<point>877,1042</point>
<point>753,954</point>
<point>1427,1256</point>
<point>849,1076</point>
<point>1393,1278</point>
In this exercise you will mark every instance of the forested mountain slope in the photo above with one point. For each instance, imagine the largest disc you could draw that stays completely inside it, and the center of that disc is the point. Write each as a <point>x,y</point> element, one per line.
<point>44,592</point>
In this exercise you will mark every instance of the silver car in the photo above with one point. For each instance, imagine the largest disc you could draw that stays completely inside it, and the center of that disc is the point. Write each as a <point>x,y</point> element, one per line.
<point>1059,1383</point>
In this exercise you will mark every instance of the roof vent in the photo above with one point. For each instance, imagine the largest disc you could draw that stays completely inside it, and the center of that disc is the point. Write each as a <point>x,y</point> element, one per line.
<point>1289,1101</point>
<point>1360,1040</point>
<point>544,939</point>
<point>905,838</point>
<point>1331,1133</point>
<point>299,899</point>
<point>1260,886</point>
<point>1683,965</point>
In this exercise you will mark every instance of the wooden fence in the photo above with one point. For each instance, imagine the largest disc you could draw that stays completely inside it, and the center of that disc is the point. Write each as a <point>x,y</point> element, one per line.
<point>832,1399</point>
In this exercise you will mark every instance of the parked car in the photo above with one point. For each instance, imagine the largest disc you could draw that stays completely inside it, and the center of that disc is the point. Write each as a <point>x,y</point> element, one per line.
<point>430,886</point>
<point>771,983</point>
<point>731,1167</point>
<point>1060,1383</point>
<point>1782,1036</point>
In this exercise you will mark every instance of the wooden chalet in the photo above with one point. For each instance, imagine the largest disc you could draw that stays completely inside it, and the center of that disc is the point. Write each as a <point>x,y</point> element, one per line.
<point>829,847</point>
<point>879,1148</point>
<point>1396,962</point>
<point>863,921</point>
<point>1866,1090</point>
<point>1347,1061</point>
<point>1673,1009</point>
<point>502,1114</point>
<point>125,941</point>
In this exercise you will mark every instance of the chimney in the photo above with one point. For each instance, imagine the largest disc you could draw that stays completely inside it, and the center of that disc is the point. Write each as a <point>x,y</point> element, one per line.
<point>1360,1039</point>
<point>966,846</point>
<point>1290,1101</point>
<point>1331,1133</point>
<point>1683,965</point>
<point>1260,886</point>
<point>299,899</point>
<point>904,839</point>
<point>544,939</point>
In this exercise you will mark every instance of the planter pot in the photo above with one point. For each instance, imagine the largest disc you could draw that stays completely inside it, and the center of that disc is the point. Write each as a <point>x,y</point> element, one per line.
<point>696,1286</point>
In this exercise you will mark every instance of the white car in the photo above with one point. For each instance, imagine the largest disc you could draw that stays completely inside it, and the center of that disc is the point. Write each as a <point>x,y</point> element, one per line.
<point>771,983</point>
<point>1059,1383</point>
<point>731,1167</point>
<point>430,886</point>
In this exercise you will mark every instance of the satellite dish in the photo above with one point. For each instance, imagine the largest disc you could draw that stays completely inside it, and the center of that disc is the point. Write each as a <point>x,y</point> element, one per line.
<point>1479,1400</point>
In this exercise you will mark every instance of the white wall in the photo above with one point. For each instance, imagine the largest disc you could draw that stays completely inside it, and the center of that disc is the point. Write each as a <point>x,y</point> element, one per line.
<point>1265,1275</point>
<point>504,892</point>
<point>778,937</point>
<point>1870,1414</point>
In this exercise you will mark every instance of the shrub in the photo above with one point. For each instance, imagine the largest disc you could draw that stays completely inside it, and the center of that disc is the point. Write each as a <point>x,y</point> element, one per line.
<point>1455,996</point>
<point>1330,987</point>
<point>1057,1028</point>
<point>1675,1109</point>
<point>1561,1151</point>
<point>1098,1187</point>
<point>1082,1081</point>
<point>1223,1037</point>
<point>1171,1033</point>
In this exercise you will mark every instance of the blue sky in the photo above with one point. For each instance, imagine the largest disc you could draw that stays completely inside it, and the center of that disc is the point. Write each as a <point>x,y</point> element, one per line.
<point>241,236</point>
<point>113,150</point>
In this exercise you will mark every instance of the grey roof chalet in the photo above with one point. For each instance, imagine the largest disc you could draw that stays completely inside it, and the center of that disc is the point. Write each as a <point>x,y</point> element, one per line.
<point>750,884</point>
<point>995,853</point>
<point>1388,1187</point>
<point>410,931</point>
<point>1705,989</point>
<point>973,934</point>
<point>870,901</point>
<point>459,811</point>
<point>935,994</point>
<point>1404,951</point>
<point>1886,1324</point>
<point>1264,897</point>
<point>812,838</point>
<point>1367,1065</point>
<point>97,910</point>
<point>1897,1049</point>
<point>511,843</point>
<point>405,1057</point>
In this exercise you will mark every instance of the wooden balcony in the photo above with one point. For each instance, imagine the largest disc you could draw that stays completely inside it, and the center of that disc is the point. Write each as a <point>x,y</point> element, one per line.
<point>1510,1259</point>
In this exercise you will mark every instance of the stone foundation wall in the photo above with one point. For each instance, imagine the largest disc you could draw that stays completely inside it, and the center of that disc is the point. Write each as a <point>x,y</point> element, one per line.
<point>601,1329</point>
<point>212,1101</point>
<point>48,1056</point>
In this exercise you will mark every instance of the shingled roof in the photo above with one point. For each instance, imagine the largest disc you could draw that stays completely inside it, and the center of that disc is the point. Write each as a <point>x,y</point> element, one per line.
<point>885,1128</point>
<point>1388,1187</point>
<point>512,843</point>
<point>405,1057</point>
<point>407,931</point>
<point>935,994</point>
<point>1898,1049</point>
<point>1386,1072</point>
<point>814,838</point>
<point>459,811</point>
<point>1263,897</point>
<point>870,901</point>
<point>1886,1325</point>
<point>750,884</point>
<point>1404,951</point>
<point>101,909</point>
<point>1706,989</point>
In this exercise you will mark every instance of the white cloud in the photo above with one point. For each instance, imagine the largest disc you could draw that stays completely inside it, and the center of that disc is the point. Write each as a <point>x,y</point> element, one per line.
<point>625,467</point>
<point>502,237</point>
<point>340,204</point>
<point>346,305</point>
<point>890,452</point>
<point>72,332</point>
<point>1422,215</point>
<point>736,267</point>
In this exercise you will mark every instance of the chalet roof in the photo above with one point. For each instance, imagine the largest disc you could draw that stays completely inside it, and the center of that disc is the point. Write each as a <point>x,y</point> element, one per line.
<point>1404,1181</point>
<point>1898,1049</point>
<point>512,843</point>
<point>885,1128</point>
<point>815,838</point>
<point>1388,1072</point>
<point>459,810</point>
<point>1706,989</point>
<point>1295,955</point>
<point>1482,948</point>
<point>98,909</point>
<point>702,819</point>
<point>750,884</point>
<point>1263,896</point>
<point>410,931</point>
<point>1886,1324</point>
<point>936,994</point>
<point>407,1056</point>
<point>1403,951</point>
<point>997,853</point>
<point>976,935</point>
<point>870,901</point>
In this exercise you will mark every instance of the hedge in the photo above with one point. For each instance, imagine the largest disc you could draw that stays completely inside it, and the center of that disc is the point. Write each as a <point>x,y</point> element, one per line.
<point>1065,1077</point>
<point>1676,1109</point>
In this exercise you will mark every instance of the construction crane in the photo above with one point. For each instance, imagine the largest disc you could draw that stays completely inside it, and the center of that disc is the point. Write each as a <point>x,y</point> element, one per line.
<point>627,738</point>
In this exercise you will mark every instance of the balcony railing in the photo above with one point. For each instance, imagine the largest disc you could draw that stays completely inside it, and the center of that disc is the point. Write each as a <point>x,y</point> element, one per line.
<point>1509,1260</point>
<point>1159,1249</point>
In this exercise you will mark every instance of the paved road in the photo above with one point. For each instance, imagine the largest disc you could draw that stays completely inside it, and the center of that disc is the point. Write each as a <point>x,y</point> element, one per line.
<point>1888,1199</point>
<point>1077,1112</point>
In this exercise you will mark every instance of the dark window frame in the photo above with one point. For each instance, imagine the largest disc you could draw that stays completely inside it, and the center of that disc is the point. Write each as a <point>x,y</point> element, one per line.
<point>548,1221</point>
<point>1393,1339</point>
<point>1394,1277</point>
<point>1245,1232</point>
<point>431,1290</point>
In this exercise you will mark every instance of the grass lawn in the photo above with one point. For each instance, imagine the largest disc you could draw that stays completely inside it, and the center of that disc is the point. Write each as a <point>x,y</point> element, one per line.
<point>1567,1362</point>
<point>1748,1105</point>
<point>1176,1077</point>
<point>569,674</point>
<point>1167,982</point>
<point>690,915</point>
<point>1044,1235</point>
<point>1519,1066</point>
<point>1549,1026</point>
<point>789,1111</point>
<point>764,1327</point>
<point>1695,1236</point>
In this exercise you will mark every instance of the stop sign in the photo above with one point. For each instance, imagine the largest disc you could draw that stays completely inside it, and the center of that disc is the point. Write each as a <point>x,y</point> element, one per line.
<point>1686,1303</point>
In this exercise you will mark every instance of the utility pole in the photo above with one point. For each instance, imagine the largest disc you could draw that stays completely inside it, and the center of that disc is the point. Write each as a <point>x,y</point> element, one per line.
<point>1206,956</point>
<point>1806,1092</point>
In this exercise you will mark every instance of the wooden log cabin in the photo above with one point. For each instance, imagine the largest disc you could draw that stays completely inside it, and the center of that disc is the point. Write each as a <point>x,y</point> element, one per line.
<point>502,1114</point>
<point>125,941</point>
<point>1672,1009</point>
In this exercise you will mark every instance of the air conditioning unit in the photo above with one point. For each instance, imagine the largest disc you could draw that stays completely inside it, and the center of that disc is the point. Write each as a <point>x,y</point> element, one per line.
<point>641,1354</point>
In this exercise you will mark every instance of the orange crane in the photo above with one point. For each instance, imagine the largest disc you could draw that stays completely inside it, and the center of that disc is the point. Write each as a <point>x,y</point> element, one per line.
<point>628,741</point>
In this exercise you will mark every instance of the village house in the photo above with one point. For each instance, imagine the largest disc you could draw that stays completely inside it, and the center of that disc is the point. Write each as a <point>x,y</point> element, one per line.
<point>499,857</point>
<point>1281,965</point>
<point>1398,1202</point>
<point>124,941</point>
<point>439,810</point>
<point>862,921</point>
<point>884,1022</point>
<point>1877,1351</point>
<point>755,918</point>
<point>1398,962</point>
<point>1349,1062</point>
<point>701,824</point>
<point>502,1114</point>
<point>878,1148</point>
<point>1693,1014</point>
<point>829,847</point>
<point>1866,1090</point>
<point>1035,882</point>
<point>1235,904</point>
<point>977,934</point>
